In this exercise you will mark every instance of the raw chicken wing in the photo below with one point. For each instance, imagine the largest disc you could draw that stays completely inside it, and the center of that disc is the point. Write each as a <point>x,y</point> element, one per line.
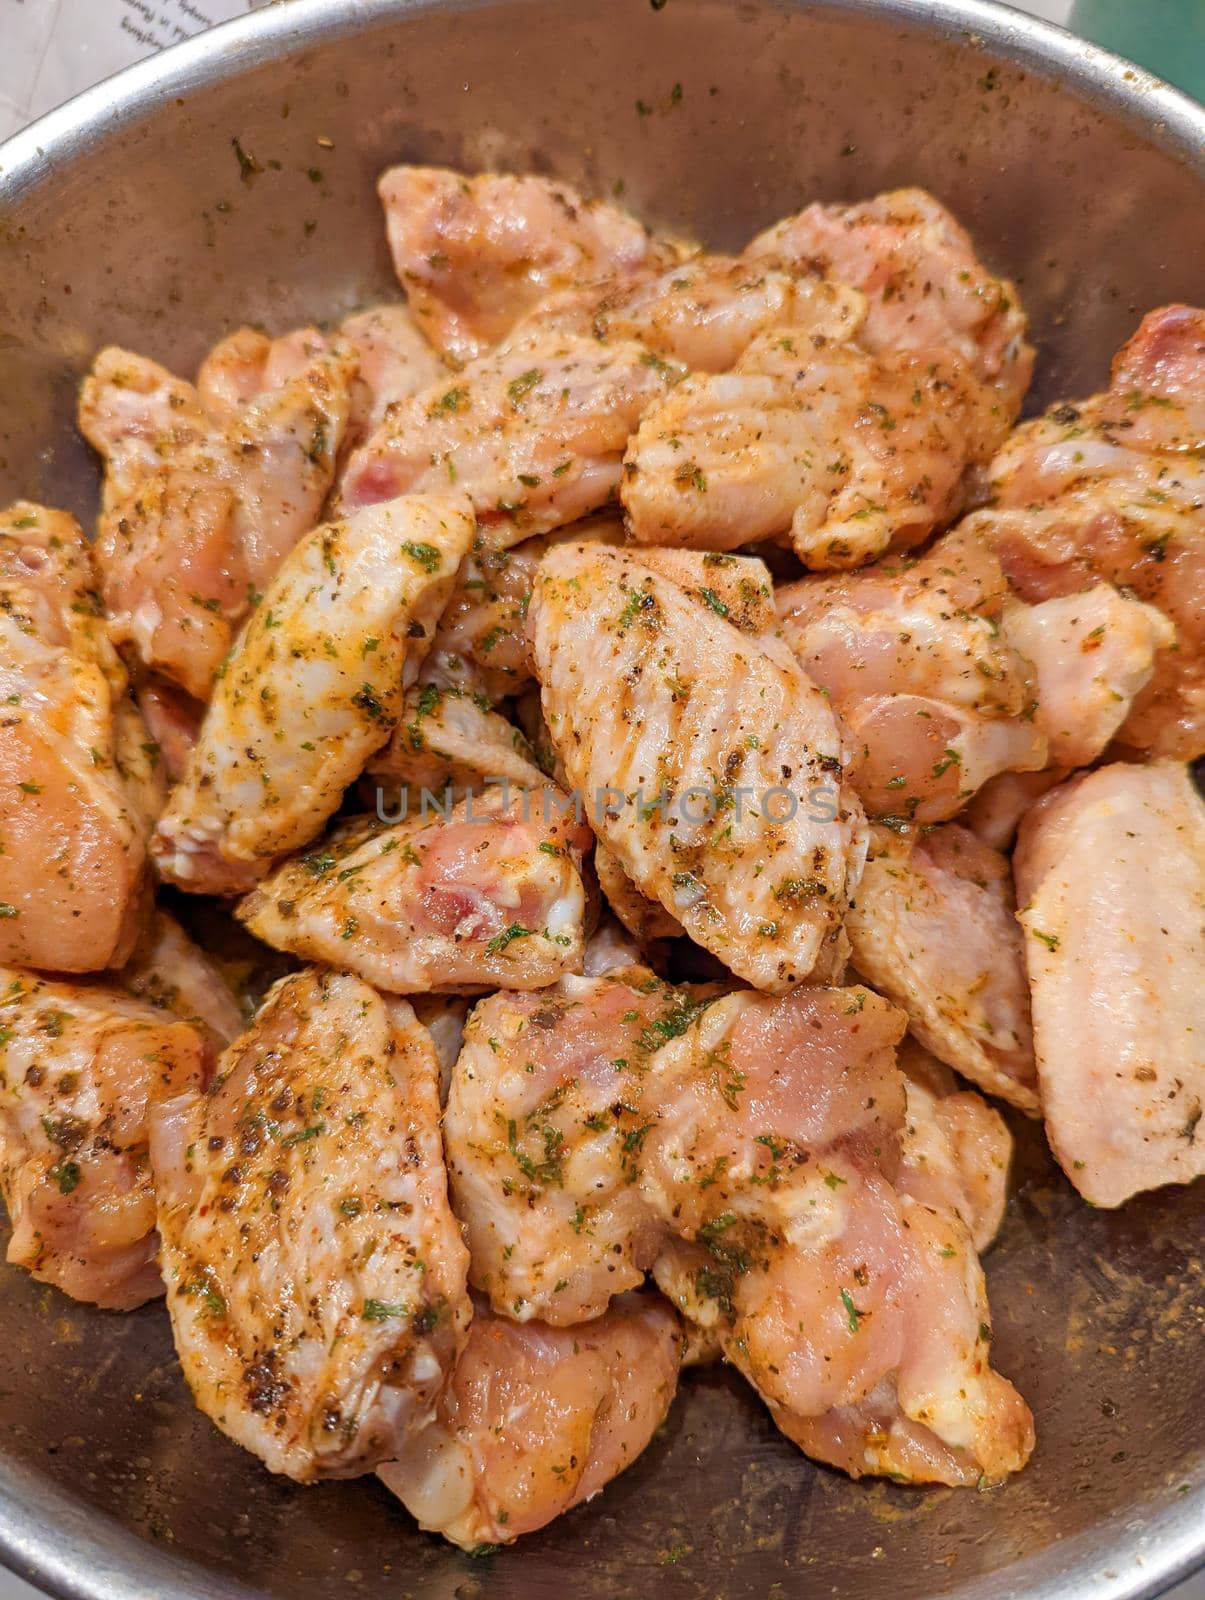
<point>74,887</point>
<point>316,1278</point>
<point>81,1066</point>
<point>707,762</point>
<point>536,1420</point>
<point>544,1128</point>
<point>473,254</point>
<point>533,433</point>
<point>490,894</point>
<point>933,929</point>
<point>1111,884</point>
<point>313,687</point>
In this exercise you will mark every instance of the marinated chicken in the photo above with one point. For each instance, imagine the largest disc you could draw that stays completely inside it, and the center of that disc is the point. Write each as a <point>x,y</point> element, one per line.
<point>1092,654</point>
<point>489,894</point>
<point>434,646</point>
<point>74,889</point>
<point>313,687</point>
<point>543,1130</point>
<point>316,1278</point>
<point>534,433</point>
<point>955,1149</point>
<point>446,740</point>
<point>536,1420</point>
<point>925,287</point>
<point>856,1309</point>
<point>474,254</point>
<point>707,762</point>
<point>482,643</point>
<point>393,361</point>
<point>934,698</point>
<point>172,972</point>
<point>1111,886</point>
<point>703,312</point>
<point>933,929</point>
<point>850,454</point>
<point>1110,489</point>
<point>200,507</point>
<point>81,1068</point>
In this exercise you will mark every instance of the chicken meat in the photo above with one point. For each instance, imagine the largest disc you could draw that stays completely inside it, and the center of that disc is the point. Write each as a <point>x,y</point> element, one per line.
<point>316,1278</point>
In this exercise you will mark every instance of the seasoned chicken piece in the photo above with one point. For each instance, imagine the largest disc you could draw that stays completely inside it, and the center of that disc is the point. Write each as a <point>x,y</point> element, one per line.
<point>537,1420</point>
<point>933,695</point>
<point>1111,489</point>
<point>925,287</point>
<point>473,254</point>
<point>646,920</point>
<point>393,361</point>
<point>169,971</point>
<point>482,643</point>
<point>313,687</point>
<point>705,311</point>
<point>534,434</point>
<point>489,895</point>
<point>199,511</point>
<point>849,453</point>
<point>955,1148</point>
<point>1111,884</point>
<point>247,365</point>
<point>73,825</point>
<point>446,741</point>
<point>933,929</point>
<point>316,1278</point>
<point>708,763</point>
<point>173,721</point>
<point>1092,653</point>
<point>81,1066</point>
<point>856,1309</point>
<point>995,813</point>
<point>543,1132</point>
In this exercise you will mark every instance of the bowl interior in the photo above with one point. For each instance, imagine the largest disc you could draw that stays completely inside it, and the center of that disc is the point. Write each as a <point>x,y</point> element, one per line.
<point>128,219</point>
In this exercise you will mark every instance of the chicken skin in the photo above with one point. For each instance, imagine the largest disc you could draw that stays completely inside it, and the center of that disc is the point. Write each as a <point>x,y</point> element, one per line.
<point>199,510</point>
<point>543,1131</point>
<point>313,687</point>
<point>74,820</point>
<point>955,1148</point>
<point>474,254</point>
<point>933,929</point>
<point>1110,489</point>
<point>482,643</point>
<point>849,453</point>
<point>490,894</point>
<point>925,287</point>
<point>533,433</point>
<point>169,971</point>
<point>393,361</point>
<point>704,312</point>
<point>856,1309</point>
<point>1111,885</point>
<point>316,1278</point>
<point>708,763</point>
<point>535,1420</point>
<point>935,699</point>
<point>81,1067</point>
<point>446,741</point>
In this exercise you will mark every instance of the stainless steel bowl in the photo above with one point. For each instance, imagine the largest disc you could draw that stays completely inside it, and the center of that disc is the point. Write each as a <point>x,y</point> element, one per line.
<point>125,217</point>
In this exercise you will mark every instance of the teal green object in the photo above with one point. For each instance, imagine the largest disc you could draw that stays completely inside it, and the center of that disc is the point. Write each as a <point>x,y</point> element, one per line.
<point>1166,36</point>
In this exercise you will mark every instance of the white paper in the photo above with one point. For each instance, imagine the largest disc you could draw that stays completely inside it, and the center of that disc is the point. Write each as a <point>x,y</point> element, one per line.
<point>51,49</point>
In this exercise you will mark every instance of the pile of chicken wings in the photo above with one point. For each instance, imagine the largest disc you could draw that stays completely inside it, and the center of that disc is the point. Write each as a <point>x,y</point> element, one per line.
<point>808,743</point>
